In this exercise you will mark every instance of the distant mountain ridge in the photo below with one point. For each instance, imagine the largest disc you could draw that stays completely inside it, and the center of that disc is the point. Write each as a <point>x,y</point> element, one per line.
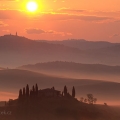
<point>83,44</point>
<point>16,51</point>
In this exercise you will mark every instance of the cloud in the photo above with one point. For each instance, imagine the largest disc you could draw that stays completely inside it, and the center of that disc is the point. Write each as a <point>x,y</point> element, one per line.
<point>2,24</point>
<point>40,31</point>
<point>117,21</point>
<point>6,31</point>
<point>16,14</point>
<point>59,33</point>
<point>115,35</point>
<point>34,31</point>
<point>70,10</point>
<point>12,14</point>
<point>90,18</point>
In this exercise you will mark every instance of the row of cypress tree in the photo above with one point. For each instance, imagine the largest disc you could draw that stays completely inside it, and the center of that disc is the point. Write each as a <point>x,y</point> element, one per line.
<point>26,92</point>
<point>66,91</point>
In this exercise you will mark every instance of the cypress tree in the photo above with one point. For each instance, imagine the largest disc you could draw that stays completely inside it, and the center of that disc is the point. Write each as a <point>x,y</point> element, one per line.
<point>73,92</point>
<point>33,91</point>
<point>62,94</point>
<point>53,88</point>
<point>31,94</point>
<point>20,94</point>
<point>36,89</point>
<point>27,90</point>
<point>24,92</point>
<point>65,90</point>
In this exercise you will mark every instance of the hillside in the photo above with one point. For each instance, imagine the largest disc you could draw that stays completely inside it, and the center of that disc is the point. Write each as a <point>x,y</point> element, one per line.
<point>84,44</point>
<point>60,109</point>
<point>21,51</point>
<point>76,70</point>
<point>12,80</point>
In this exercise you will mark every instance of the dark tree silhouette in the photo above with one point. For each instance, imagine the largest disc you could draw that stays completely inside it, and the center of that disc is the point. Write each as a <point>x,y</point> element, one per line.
<point>20,94</point>
<point>73,92</point>
<point>24,92</point>
<point>27,90</point>
<point>62,93</point>
<point>65,90</point>
<point>53,88</point>
<point>36,89</point>
<point>91,99</point>
<point>33,91</point>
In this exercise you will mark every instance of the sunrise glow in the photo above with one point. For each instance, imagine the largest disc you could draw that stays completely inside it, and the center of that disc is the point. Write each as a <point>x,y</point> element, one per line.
<point>32,6</point>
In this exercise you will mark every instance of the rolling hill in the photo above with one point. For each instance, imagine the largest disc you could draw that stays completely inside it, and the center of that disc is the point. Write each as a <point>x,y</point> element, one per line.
<point>76,70</point>
<point>16,51</point>
<point>12,80</point>
<point>83,44</point>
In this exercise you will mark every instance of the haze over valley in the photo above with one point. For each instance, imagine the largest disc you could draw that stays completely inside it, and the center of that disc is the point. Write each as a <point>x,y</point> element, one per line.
<point>22,51</point>
<point>59,60</point>
<point>92,67</point>
<point>13,79</point>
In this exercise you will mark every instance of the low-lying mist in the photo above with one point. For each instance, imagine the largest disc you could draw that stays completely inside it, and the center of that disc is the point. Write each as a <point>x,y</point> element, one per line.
<point>11,80</point>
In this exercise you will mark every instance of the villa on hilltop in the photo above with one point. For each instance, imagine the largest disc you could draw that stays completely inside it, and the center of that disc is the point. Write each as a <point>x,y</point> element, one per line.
<point>49,92</point>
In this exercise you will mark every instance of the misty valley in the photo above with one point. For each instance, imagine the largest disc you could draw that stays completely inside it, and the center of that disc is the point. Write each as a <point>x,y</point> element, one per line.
<point>59,80</point>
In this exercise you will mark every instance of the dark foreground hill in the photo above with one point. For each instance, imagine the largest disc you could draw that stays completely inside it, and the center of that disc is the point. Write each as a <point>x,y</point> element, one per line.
<point>12,80</point>
<point>59,109</point>
<point>76,70</point>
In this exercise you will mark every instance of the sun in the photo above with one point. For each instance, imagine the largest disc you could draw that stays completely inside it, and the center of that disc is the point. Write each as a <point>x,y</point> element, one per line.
<point>32,6</point>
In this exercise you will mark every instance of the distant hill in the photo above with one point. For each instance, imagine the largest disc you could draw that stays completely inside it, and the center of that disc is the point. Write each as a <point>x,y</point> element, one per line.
<point>12,80</point>
<point>83,44</point>
<point>16,51</point>
<point>76,70</point>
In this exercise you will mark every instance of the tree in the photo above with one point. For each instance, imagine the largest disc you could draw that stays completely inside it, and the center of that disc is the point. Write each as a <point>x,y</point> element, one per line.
<point>94,100</point>
<point>62,94</point>
<point>27,90</point>
<point>85,100</point>
<point>36,89</point>
<point>73,92</point>
<point>24,92</point>
<point>33,91</point>
<point>65,90</point>
<point>20,94</point>
<point>53,88</point>
<point>91,99</point>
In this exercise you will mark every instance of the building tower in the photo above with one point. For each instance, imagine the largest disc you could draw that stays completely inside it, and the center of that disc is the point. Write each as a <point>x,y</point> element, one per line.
<point>16,34</point>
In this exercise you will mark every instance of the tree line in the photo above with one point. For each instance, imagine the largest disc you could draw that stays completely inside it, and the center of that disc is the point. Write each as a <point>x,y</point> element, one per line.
<point>33,93</point>
<point>27,93</point>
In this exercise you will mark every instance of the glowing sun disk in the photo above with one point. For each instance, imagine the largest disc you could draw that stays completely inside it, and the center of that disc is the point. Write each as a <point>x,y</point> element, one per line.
<point>32,6</point>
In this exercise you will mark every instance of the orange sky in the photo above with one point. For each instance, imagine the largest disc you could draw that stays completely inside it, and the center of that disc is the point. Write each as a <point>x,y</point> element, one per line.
<point>62,19</point>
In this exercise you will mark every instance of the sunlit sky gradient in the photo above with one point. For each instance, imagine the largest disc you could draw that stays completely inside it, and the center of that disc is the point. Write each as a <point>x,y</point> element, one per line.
<point>97,20</point>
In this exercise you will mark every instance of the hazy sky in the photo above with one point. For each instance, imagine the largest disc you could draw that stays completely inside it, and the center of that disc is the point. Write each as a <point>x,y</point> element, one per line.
<point>62,19</point>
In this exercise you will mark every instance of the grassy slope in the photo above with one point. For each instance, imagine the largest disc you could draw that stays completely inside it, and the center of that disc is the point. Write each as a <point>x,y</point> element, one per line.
<point>60,109</point>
